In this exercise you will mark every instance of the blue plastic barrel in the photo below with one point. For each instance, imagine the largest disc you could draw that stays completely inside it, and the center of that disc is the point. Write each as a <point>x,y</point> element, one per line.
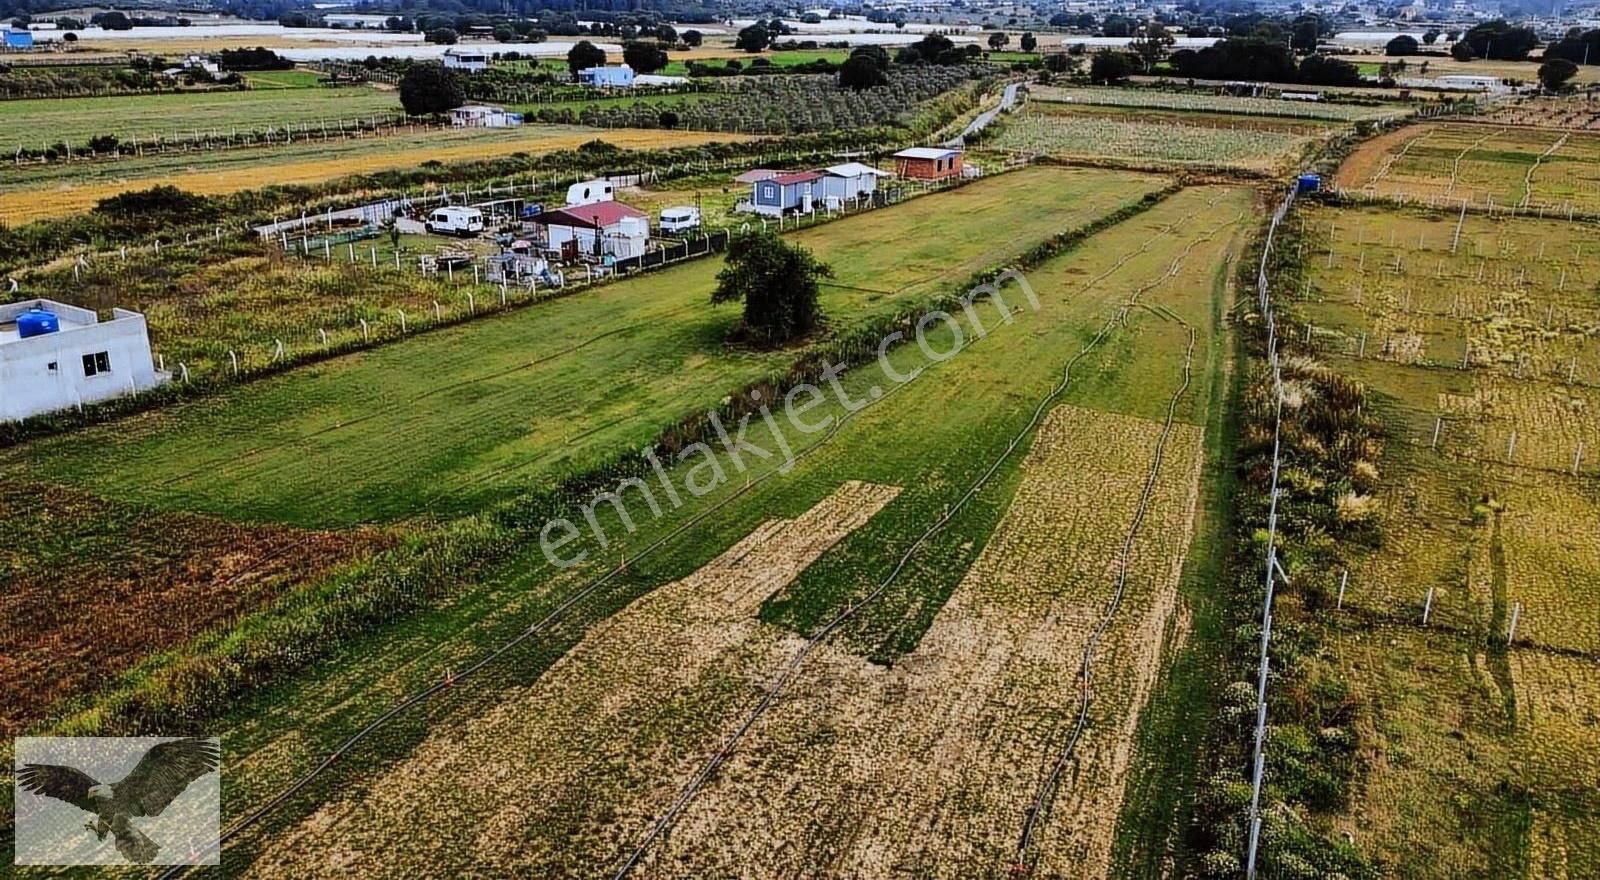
<point>1309,183</point>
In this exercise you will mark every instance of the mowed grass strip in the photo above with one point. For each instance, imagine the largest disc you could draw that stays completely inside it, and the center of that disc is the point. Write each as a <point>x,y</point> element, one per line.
<point>448,421</point>
<point>60,189</point>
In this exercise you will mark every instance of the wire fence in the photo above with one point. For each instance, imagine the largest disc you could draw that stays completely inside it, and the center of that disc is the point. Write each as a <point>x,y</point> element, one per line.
<point>1273,569</point>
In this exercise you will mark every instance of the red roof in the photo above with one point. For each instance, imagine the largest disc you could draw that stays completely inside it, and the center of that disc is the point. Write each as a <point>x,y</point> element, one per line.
<point>599,214</point>
<point>796,177</point>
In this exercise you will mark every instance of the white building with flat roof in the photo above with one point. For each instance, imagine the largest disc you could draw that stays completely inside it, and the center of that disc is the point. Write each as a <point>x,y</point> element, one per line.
<point>54,356</point>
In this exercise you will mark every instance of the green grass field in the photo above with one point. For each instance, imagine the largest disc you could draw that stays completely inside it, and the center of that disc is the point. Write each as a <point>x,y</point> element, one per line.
<point>932,438</point>
<point>283,79</point>
<point>454,418</point>
<point>37,124</point>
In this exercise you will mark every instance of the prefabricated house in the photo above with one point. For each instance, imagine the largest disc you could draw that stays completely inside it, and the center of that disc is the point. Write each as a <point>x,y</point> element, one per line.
<point>620,76</point>
<point>16,38</point>
<point>928,163</point>
<point>848,182</point>
<point>679,219</point>
<point>600,229</point>
<point>1474,82</point>
<point>484,116</point>
<point>588,192</point>
<point>54,356</point>
<point>756,175</point>
<point>455,220</point>
<point>468,60</point>
<point>790,191</point>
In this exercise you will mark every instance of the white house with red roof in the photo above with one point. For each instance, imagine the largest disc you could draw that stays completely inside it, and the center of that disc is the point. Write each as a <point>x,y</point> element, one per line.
<point>602,229</point>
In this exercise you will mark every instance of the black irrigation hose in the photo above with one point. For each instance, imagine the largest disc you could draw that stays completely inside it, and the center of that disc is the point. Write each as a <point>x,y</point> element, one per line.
<point>1039,811</point>
<point>788,672</point>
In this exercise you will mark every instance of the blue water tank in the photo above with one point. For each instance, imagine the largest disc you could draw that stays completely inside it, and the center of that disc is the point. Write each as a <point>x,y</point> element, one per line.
<point>37,322</point>
<point>1309,183</point>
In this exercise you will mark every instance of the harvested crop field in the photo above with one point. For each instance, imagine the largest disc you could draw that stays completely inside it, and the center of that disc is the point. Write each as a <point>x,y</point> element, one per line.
<point>600,732</point>
<point>1536,171</point>
<point>929,769</point>
<point>92,587</point>
<point>1159,139</point>
<point>53,191</point>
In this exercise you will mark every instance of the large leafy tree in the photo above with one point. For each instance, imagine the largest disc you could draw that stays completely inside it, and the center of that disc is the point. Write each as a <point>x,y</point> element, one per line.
<point>428,89</point>
<point>754,38</point>
<point>584,55</point>
<point>1151,44</point>
<point>1553,74</point>
<point>866,67</point>
<point>1108,67</point>
<point>1401,46</point>
<point>1498,41</point>
<point>644,57</point>
<point>778,284</point>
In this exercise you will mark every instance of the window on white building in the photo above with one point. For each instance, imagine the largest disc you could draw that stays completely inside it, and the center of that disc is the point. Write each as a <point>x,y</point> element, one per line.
<point>100,362</point>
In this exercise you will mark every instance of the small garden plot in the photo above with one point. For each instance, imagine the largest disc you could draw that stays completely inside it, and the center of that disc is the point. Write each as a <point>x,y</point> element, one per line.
<point>1482,761</point>
<point>1153,141</point>
<point>1212,103</point>
<point>1568,113</point>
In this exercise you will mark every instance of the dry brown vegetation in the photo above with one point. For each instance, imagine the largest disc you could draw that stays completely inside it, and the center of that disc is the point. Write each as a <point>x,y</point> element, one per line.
<point>79,610</point>
<point>928,769</point>
<point>560,778</point>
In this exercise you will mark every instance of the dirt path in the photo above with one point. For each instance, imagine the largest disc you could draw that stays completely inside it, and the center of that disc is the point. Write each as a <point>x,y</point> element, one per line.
<point>571,769</point>
<point>927,770</point>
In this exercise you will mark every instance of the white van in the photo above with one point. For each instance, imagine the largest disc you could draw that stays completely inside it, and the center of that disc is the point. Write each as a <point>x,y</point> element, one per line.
<point>590,191</point>
<point>455,221</point>
<point>680,219</point>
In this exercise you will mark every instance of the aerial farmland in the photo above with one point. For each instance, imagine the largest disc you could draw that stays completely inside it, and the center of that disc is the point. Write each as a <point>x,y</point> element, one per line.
<point>847,448</point>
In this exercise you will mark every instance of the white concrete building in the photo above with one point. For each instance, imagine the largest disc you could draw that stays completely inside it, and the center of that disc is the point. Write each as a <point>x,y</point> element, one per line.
<point>82,360</point>
<point>469,60</point>
<point>484,116</point>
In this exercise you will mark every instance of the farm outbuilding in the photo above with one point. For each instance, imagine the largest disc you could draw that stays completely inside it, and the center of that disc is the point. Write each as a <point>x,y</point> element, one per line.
<point>928,163</point>
<point>469,60</point>
<point>620,76</point>
<point>790,191</point>
<point>849,182</point>
<point>19,39</point>
<point>54,356</point>
<point>484,116</point>
<point>602,229</point>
